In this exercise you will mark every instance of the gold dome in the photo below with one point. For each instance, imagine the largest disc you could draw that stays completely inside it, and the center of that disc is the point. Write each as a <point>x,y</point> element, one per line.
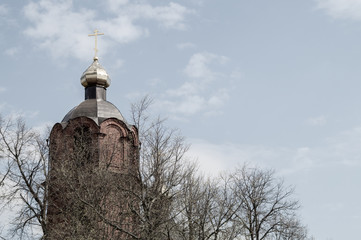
<point>95,75</point>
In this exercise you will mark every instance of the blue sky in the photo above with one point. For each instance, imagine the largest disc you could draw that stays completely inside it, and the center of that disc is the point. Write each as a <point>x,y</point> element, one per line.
<point>272,83</point>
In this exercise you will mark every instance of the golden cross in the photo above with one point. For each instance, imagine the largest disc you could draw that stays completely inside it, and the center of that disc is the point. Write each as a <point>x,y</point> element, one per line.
<point>96,34</point>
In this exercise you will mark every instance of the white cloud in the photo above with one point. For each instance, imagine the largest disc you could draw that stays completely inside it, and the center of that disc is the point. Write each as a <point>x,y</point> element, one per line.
<point>5,18</point>
<point>118,63</point>
<point>43,128</point>
<point>171,16</point>
<point>121,29</point>
<point>198,65</point>
<point>334,207</point>
<point>154,82</point>
<point>62,29</point>
<point>215,158</point>
<point>12,51</point>
<point>343,149</point>
<point>219,98</point>
<point>2,106</point>
<point>347,9</point>
<point>316,121</point>
<point>188,105</point>
<point>136,95</point>
<point>2,89</point>
<point>185,45</point>
<point>3,10</point>
<point>205,90</point>
<point>59,28</point>
<point>14,114</point>
<point>116,4</point>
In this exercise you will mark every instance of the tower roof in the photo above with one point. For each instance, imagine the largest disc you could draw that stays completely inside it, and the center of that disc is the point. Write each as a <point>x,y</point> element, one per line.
<point>95,75</point>
<point>95,81</point>
<point>96,109</point>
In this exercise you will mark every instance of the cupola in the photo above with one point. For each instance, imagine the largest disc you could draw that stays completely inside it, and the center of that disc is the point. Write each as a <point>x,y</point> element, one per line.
<point>95,75</point>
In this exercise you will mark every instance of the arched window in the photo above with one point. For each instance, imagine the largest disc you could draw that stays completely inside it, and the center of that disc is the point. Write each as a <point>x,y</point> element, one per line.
<point>83,151</point>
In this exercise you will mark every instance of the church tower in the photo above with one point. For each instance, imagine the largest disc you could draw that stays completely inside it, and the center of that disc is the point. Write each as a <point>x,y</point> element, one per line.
<point>94,163</point>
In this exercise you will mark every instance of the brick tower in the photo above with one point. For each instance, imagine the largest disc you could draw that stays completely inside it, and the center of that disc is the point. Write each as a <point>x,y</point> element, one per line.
<point>94,163</point>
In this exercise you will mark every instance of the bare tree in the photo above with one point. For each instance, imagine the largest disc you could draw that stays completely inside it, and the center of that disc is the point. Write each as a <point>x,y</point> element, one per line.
<point>162,169</point>
<point>291,229</point>
<point>226,206</point>
<point>208,208</point>
<point>86,195</point>
<point>24,155</point>
<point>266,205</point>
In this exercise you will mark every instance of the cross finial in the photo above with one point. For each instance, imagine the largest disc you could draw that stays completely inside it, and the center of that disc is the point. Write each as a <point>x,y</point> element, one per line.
<point>96,34</point>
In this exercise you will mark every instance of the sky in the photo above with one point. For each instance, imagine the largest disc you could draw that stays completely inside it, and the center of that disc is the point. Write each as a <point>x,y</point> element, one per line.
<point>275,84</point>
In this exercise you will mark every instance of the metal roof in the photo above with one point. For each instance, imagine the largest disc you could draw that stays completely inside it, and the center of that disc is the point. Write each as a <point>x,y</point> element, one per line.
<point>96,109</point>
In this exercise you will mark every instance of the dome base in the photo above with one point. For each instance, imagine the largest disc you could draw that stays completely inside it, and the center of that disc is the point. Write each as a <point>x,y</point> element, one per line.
<point>95,109</point>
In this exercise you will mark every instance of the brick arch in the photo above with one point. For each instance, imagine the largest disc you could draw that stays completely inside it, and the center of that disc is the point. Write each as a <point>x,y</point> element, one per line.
<point>114,123</point>
<point>81,122</point>
<point>134,132</point>
<point>111,145</point>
